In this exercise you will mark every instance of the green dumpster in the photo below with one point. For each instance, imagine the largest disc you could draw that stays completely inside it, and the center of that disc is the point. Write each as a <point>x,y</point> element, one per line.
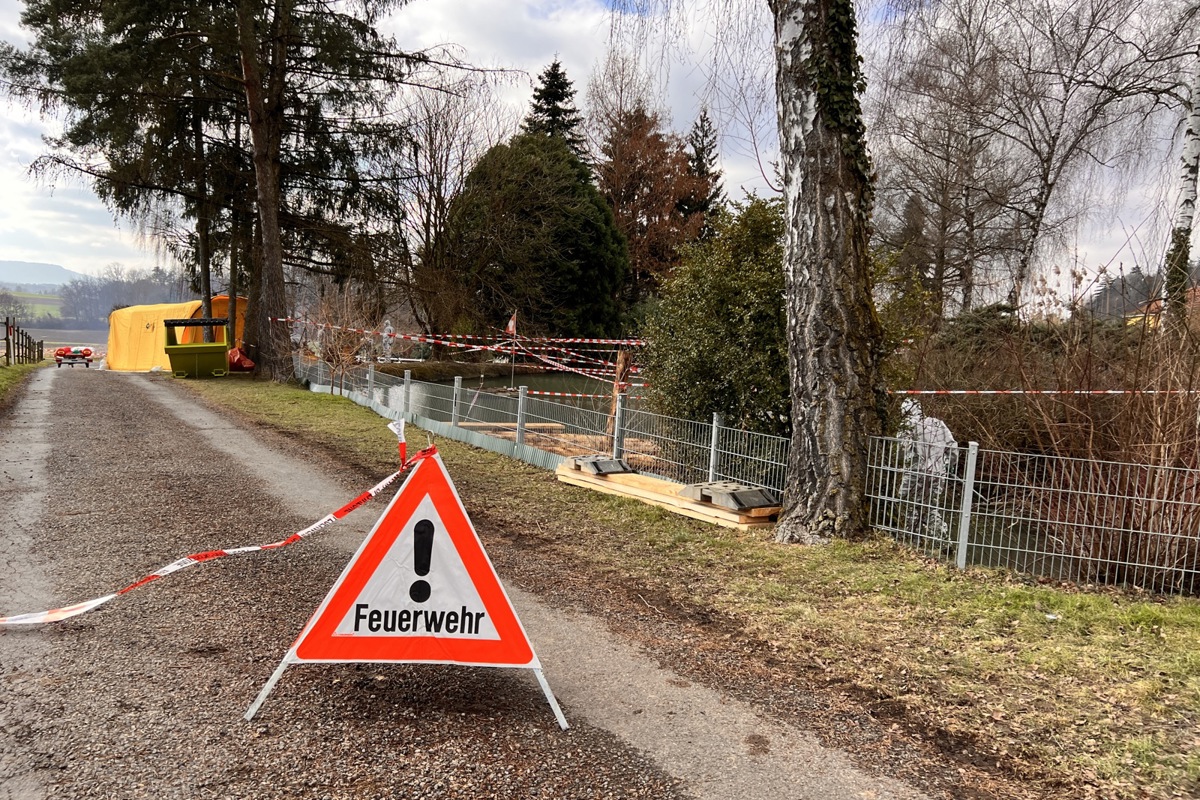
<point>198,360</point>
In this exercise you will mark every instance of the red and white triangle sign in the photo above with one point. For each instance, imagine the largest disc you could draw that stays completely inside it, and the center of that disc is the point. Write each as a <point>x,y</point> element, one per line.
<point>420,589</point>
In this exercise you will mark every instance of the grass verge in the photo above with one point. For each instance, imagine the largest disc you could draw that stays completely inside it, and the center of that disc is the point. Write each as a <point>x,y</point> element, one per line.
<point>1085,693</point>
<point>12,378</point>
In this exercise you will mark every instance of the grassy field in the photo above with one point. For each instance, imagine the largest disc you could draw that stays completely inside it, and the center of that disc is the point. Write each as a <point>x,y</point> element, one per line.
<point>39,305</point>
<point>1063,691</point>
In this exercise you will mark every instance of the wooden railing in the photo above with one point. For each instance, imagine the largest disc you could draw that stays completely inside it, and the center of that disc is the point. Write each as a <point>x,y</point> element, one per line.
<point>19,346</point>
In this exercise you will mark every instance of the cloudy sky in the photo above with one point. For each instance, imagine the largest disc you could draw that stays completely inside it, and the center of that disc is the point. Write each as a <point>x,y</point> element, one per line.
<point>64,224</point>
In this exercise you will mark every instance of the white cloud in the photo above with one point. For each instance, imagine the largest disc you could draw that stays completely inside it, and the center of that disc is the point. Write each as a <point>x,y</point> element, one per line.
<point>57,224</point>
<point>10,21</point>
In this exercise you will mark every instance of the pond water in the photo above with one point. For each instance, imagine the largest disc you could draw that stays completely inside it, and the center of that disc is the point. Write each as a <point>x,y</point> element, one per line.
<point>495,398</point>
<point>544,382</point>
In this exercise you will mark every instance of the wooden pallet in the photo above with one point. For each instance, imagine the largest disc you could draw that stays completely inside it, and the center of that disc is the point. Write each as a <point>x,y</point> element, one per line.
<point>665,494</point>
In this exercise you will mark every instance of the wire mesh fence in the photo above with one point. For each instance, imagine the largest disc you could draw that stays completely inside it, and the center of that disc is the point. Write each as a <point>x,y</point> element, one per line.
<point>1061,519</point>
<point>917,502</point>
<point>1089,521</point>
<point>672,448</point>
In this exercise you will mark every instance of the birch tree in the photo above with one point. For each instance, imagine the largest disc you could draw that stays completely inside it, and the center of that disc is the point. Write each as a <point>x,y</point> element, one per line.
<point>1081,79</point>
<point>932,128</point>
<point>1179,251</point>
<point>1006,116</point>
<point>832,329</point>
<point>833,333</point>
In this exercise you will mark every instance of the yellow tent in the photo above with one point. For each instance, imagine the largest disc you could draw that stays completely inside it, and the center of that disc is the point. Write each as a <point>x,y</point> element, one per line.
<point>220,310</point>
<point>136,337</point>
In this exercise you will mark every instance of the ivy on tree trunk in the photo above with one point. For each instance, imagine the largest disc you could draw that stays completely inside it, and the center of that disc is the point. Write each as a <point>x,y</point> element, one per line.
<point>834,335</point>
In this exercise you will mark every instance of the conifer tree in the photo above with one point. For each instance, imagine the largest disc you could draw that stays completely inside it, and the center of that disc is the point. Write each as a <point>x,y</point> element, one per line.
<point>702,163</point>
<point>643,173</point>
<point>553,111</point>
<point>149,93</point>
<point>529,232</point>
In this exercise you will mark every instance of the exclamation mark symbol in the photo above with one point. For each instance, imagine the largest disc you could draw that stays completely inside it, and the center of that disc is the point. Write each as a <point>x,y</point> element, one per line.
<point>423,553</point>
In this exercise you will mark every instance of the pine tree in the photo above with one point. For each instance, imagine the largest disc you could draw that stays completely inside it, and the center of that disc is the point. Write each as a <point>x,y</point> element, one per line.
<point>702,163</point>
<point>529,232</point>
<point>150,92</point>
<point>553,111</point>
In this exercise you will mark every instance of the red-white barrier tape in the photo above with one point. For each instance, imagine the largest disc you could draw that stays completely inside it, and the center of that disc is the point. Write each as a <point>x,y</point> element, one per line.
<point>57,614</point>
<point>474,337</point>
<point>448,339</point>
<point>510,346</point>
<point>1044,391</point>
<point>565,394</point>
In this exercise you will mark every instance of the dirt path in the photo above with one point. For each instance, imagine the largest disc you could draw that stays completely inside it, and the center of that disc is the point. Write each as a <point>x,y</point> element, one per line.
<point>145,696</point>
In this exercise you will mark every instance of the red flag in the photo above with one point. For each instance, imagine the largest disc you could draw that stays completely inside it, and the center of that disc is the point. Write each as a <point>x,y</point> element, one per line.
<point>511,328</point>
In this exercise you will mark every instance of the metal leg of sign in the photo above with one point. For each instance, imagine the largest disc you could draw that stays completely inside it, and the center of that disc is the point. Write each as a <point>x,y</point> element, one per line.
<point>266,690</point>
<point>558,715</point>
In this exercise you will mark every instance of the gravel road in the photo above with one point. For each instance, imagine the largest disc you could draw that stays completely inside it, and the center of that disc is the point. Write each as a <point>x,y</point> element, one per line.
<point>108,476</point>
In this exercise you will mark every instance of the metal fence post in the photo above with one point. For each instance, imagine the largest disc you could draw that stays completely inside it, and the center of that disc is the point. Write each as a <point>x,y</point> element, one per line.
<point>407,389</point>
<point>968,496</point>
<point>371,382</point>
<point>712,449</point>
<point>522,395</point>
<point>457,400</point>
<point>618,448</point>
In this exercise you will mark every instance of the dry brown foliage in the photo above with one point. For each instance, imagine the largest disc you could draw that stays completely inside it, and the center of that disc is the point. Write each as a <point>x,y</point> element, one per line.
<point>1112,478</point>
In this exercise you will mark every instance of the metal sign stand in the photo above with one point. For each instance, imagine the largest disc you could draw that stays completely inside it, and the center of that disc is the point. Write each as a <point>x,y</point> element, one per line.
<point>278,673</point>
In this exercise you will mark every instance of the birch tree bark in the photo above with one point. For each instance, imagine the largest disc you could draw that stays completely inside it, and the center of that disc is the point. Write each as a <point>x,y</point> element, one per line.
<point>1179,250</point>
<point>834,336</point>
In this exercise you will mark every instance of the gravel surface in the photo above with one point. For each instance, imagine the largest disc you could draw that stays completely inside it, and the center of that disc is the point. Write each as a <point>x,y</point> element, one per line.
<point>110,476</point>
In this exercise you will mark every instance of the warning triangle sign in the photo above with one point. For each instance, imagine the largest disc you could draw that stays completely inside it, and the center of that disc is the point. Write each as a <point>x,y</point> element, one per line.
<point>419,589</point>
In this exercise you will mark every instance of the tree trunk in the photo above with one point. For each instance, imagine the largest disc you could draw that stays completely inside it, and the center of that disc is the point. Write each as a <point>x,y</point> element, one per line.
<point>1179,251</point>
<point>235,253</point>
<point>264,102</point>
<point>237,248</point>
<point>1035,216</point>
<point>834,335</point>
<point>251,333</point>
<point>203,216</point>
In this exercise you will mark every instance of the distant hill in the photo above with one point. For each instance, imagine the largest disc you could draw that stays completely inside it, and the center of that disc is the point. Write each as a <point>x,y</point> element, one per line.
<point>28,273</point>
